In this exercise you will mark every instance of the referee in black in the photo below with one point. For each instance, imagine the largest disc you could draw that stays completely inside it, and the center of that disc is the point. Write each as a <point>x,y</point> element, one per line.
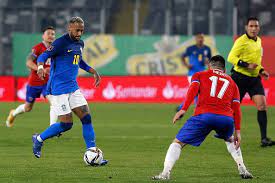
<point>246,57</point>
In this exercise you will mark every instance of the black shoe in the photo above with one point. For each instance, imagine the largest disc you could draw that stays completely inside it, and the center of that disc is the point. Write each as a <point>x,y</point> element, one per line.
<point>267,142</point>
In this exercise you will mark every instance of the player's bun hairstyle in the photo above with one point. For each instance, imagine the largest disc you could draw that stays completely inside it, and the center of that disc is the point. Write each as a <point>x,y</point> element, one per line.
<point>76,20</point>
<point>48,28</point>
<point>217,61</point>
<point>251,19</point>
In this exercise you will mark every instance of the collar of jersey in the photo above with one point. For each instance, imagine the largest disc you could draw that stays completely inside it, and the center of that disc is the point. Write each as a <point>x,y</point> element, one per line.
<point>219,70</point>
<point>69,38</point>
<point>251,37</point>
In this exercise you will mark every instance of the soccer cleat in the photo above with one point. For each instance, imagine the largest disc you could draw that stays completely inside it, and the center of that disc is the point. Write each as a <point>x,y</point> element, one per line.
<point>244,173</point>
<point>267,142</point>
<point>161,176</point>
<point>103,162</point>
<point>10,119</point>
<point>36,147</point>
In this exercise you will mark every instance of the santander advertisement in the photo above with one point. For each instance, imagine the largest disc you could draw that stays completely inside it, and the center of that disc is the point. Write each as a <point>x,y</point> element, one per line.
<point>142,89</point>
<point>147,89</point>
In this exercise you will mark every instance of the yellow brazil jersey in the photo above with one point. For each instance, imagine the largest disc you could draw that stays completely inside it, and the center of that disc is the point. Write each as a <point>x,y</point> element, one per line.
<point>247,50</point>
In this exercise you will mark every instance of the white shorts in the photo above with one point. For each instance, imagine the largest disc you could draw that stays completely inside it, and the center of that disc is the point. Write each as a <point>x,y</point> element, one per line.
<point>50,98</point>
<point>63,104</point>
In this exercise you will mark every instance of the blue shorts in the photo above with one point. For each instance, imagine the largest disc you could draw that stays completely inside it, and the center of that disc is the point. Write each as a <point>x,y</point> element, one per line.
<point>34,92</point>
<point>196,128</point>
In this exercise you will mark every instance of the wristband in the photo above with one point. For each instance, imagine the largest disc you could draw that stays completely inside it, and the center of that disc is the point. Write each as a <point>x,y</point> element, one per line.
<point>261,70</point>
<point>243,64</point>
<point>40,67</point>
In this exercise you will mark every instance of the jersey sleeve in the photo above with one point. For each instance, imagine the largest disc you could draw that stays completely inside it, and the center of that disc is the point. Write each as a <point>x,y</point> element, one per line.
<point>51,51</point>
<point>236,108</point>
<point>192,91</point>
<point>35,51</point>
<point>84,66</point>
<point>234,55</point>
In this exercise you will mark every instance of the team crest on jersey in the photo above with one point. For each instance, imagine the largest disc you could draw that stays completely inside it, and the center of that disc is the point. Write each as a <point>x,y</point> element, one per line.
<point>205,52</point>
<point>30,99</point>
<point>50,48</point>
<point>63,107</point>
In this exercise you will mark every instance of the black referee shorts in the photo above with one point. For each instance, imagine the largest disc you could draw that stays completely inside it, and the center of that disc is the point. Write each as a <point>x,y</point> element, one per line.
<point>252,85</point>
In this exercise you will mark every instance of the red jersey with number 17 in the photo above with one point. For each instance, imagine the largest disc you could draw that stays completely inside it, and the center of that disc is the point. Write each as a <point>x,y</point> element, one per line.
<point>34,80</point>
<point>217,92</point>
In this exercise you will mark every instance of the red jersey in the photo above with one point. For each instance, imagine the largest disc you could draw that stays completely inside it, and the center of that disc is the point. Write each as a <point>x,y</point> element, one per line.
<point>34,80</point>
<point>218,94</point>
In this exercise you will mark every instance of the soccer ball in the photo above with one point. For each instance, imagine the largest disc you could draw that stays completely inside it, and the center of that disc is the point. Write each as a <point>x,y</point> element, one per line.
<point>93,156</point>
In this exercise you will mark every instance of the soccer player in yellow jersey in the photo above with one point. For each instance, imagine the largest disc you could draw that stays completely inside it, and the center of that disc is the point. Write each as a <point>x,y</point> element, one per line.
<point>246,57</point>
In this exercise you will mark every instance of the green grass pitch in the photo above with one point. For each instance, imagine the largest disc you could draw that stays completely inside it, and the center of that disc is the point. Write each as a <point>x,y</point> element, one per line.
<point>134,138</point>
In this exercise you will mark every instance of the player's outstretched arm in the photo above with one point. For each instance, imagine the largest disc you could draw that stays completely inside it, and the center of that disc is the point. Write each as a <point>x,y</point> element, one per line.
<point>96,76</point>
<point>178,115</point>
<point>83,65</point>
<point>237,115</point>
<point>192,92</point>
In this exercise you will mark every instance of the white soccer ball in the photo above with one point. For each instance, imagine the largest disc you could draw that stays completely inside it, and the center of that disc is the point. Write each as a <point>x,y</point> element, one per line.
<point>93,156</point>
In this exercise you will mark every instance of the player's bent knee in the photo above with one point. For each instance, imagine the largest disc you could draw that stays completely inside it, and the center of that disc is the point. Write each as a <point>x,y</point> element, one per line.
<point>28,108</point>
<point>179,142</point>
<point>66,126</point>
<point>230,139</point>
<point>261,107</point>
<point>66,118</point>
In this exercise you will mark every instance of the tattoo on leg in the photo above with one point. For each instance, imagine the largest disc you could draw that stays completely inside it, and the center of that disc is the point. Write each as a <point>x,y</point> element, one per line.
<point>84,109</point>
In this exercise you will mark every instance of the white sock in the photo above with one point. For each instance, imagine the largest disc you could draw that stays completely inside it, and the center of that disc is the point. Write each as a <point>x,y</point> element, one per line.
<point>39,138</point>
<point>172,155</point>
<point>236,154</point>
<point>20,109</point>
<point>53,116</point>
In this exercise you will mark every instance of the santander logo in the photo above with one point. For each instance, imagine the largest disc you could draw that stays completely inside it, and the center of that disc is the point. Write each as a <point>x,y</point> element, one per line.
<point>168,91</point>
<point>171,91</point>
<point>109,92</point>
<point>21,93</point>
<point>127,92</point>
